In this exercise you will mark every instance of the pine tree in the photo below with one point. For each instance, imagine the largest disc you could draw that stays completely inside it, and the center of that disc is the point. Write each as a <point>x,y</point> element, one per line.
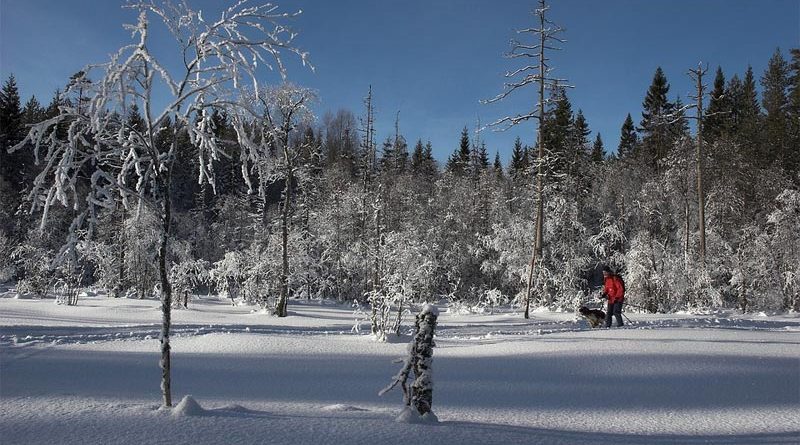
<point>598,152</point>
<point>628,141</point>
<point>656,114</point>
<point>775,101</point>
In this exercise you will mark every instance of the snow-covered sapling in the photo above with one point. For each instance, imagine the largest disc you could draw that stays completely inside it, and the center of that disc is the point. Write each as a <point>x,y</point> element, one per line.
<point>418,396</point>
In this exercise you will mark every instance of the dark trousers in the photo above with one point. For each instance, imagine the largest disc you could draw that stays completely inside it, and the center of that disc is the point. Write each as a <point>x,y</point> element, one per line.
<point>616,310</point>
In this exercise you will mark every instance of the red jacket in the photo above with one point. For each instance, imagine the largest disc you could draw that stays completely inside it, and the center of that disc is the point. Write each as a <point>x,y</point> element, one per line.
<point>612,286</point>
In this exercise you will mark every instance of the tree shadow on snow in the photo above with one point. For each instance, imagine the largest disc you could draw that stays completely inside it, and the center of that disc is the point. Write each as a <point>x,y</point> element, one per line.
<point>519,434</point>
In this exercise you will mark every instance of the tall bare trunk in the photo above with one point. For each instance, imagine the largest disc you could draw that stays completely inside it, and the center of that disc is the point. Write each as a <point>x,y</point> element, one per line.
<point>281,307</point>
<point>537,244</point>
<point>166,292</point>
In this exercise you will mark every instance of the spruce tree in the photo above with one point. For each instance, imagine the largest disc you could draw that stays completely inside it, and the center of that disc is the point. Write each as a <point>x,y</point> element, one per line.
<point>519,160</point>
<point>12,131</point>
<point>33,112</point>
<point>793,164</point>
<point>464,151</point>
<point>418,157</point>
<point>628,141</point>
<point>749,119</point>
<point>656,114</point>
<point>580,141</point>
<point>776,102</point>
<point>481,158</point>
<point>598,152</point>
<point>557,131</point>
<point>431,168</point>
<point>498,166</point>
<point>388,155</point>
<point>717,114</point>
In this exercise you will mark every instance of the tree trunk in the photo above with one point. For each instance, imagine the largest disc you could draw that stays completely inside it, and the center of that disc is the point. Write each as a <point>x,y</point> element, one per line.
<point>537,243</point>
<point>166,292</point>
<point>121,278</point>
<point>281,307</point>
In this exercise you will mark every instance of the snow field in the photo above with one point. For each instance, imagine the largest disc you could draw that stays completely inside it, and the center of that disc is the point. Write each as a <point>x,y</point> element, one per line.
<point>89,374</point>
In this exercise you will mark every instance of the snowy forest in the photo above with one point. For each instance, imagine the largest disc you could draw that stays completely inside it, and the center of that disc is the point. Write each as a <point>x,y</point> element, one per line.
<point>292,205</point>
<point>194,191</point>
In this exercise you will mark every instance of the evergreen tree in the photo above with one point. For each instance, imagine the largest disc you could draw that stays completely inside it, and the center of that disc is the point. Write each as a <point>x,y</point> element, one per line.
<point>679,125</point>
<point>13,166</point>
<point>628,141</point>
<point>557,131</point>
<point>519,160</point>
<point>656,115</point>
<point>581,130</point>
<point>52,108</point>
<point>498,166</point>
<point>388,155</point>
<point>459,161</point>
<point>464,151</point>
<point>400,154</point>
<point>480,158</point>
<point>717,114</point>
<point>33,112</point>
<point>418,157</point>
<point>776,102</point>
<point>431,168</point>
<point>749,119</point>
<point>580,141</point>
<point>793,164</point>
<point>598,152</point>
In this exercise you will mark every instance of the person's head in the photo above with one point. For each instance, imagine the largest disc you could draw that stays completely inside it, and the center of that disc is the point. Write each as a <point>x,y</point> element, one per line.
<point>606,271</point>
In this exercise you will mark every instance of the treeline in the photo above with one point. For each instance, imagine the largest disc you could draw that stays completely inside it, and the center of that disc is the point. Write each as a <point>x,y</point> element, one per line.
<point>385,223</point>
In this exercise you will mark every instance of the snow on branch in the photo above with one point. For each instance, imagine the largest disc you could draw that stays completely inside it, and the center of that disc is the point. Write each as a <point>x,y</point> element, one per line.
<point>114,134</point>
<point>539,73</point>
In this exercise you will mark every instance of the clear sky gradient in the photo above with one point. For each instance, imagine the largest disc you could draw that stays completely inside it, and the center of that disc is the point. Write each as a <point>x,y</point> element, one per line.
<point>434,60</point>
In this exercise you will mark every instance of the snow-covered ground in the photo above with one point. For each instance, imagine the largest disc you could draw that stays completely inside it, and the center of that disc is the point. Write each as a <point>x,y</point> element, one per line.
<point>89,375</point>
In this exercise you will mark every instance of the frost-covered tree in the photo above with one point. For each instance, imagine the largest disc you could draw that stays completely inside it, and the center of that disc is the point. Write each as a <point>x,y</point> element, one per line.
<point>217,57</point>
<point>265,127</point>
<point>545,38</point>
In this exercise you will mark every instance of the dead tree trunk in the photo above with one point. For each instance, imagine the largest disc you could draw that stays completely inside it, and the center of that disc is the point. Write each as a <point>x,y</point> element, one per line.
<point>419,395</point>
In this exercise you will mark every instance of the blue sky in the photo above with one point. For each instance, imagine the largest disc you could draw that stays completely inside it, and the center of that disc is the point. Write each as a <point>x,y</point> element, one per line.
<point>435,60</point>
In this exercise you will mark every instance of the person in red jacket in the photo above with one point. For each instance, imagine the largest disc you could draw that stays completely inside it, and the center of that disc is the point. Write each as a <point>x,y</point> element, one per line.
<point>614,290</point>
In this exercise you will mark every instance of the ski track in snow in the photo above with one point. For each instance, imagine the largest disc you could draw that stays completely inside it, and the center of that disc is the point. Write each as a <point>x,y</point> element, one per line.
<point>89,375</point>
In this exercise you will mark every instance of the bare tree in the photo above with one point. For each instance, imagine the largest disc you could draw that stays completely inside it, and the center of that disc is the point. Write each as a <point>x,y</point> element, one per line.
<point>697,76</point>
<point>546,39</point>
<point>215,58</point>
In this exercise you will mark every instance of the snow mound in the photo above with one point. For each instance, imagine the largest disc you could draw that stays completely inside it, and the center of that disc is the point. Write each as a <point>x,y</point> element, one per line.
<point>410,415</point>
<point>188,408</point>
<point>342,407</point>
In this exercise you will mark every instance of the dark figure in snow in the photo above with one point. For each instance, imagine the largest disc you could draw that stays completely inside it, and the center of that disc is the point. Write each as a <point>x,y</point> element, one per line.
<point>614,290</point>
